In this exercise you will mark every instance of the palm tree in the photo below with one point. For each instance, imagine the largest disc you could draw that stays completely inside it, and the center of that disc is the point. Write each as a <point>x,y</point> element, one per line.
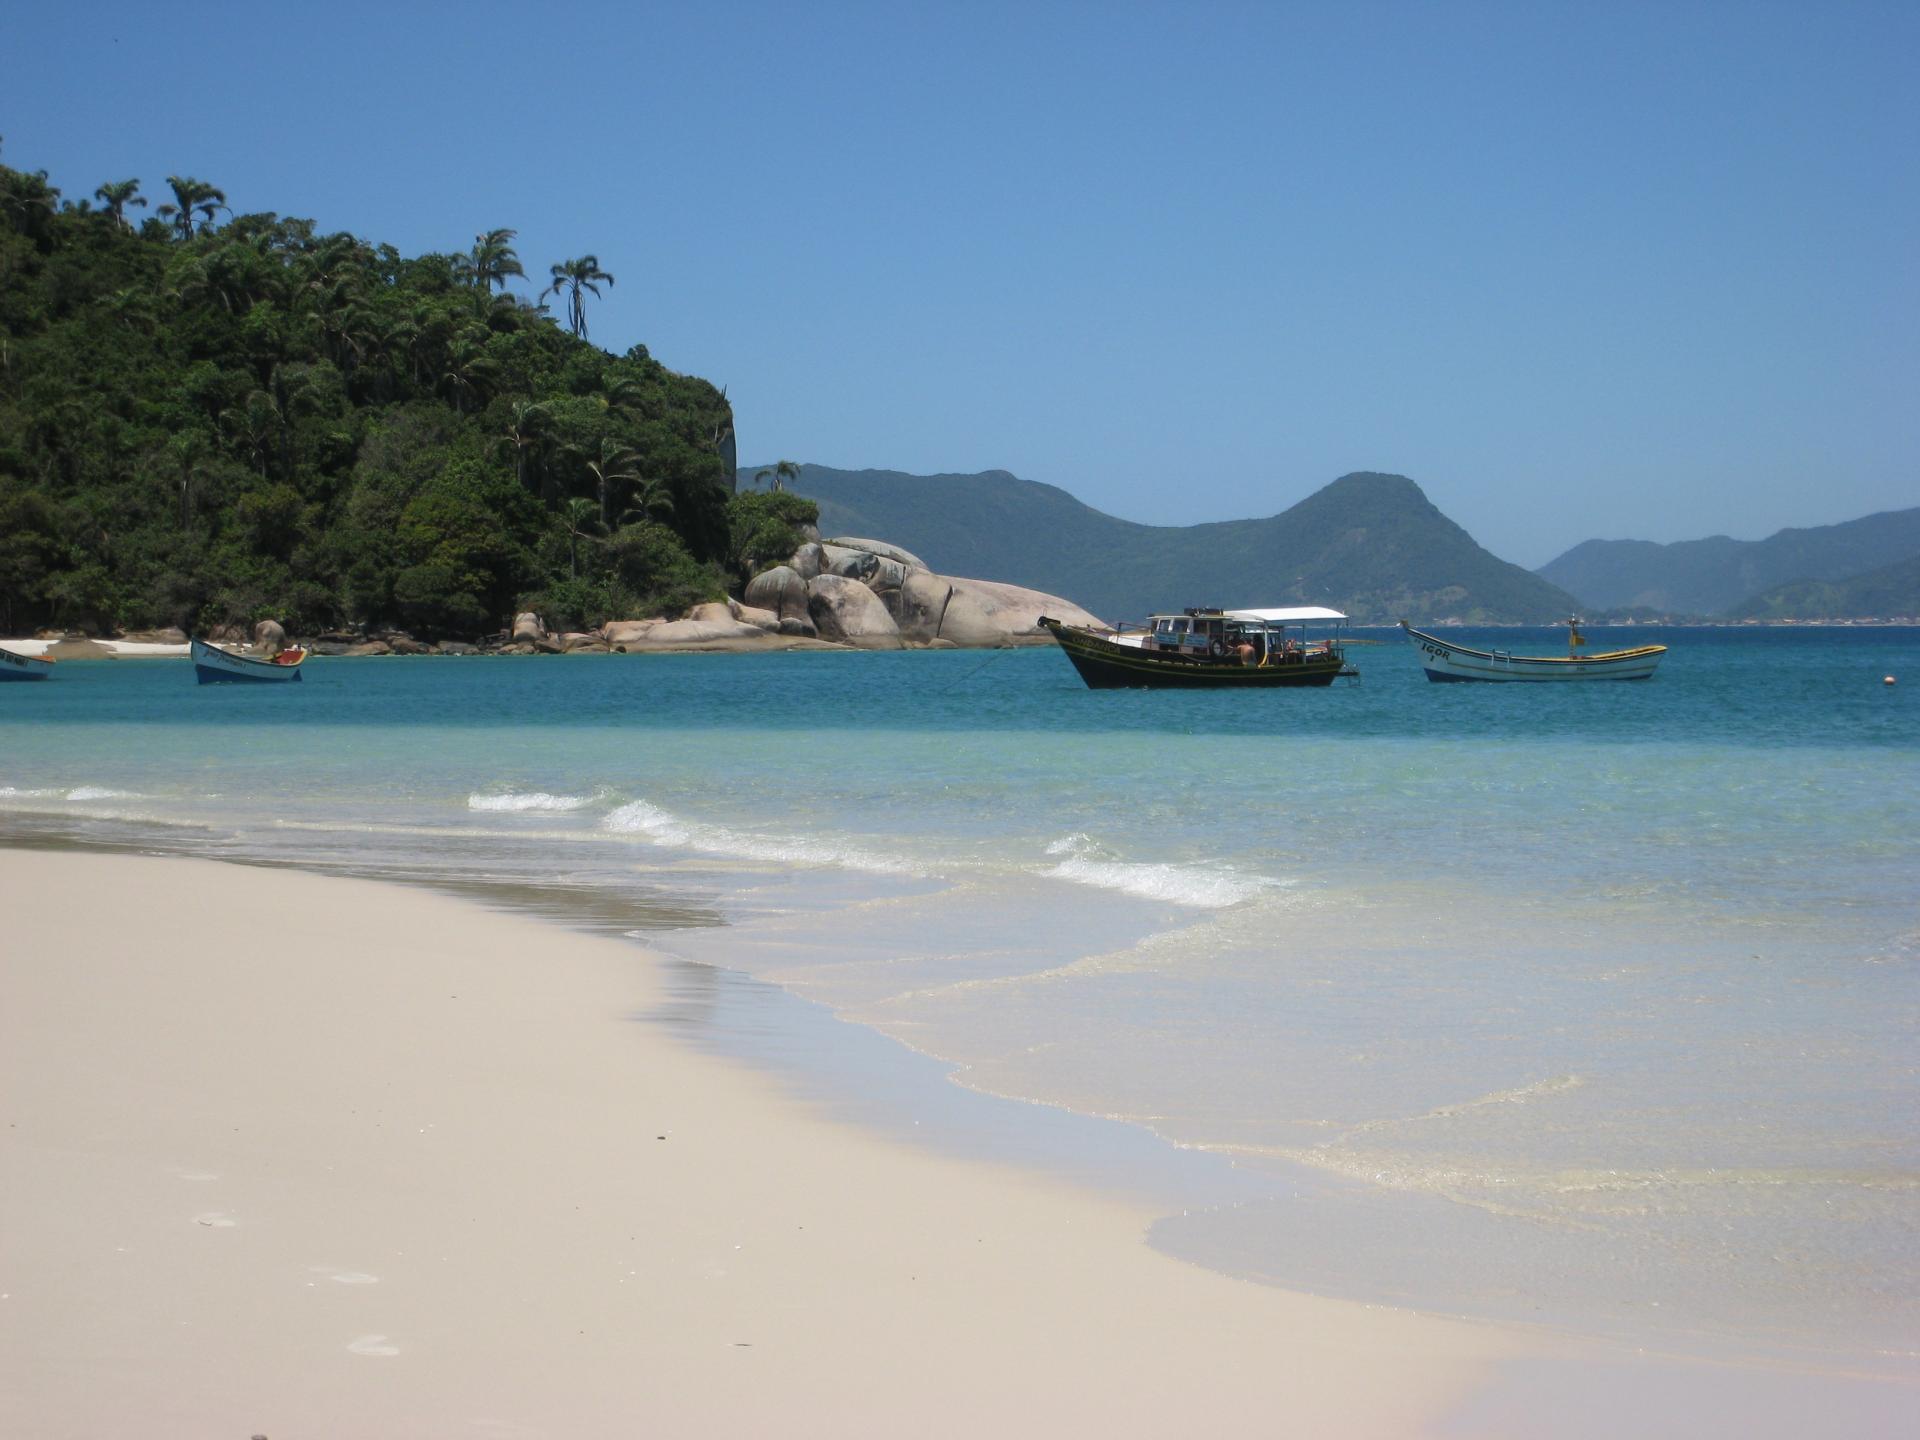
<point>618,392</point>
<point>255,426</point>
<point>785,470</point>
<point>571,277</point>
<point>189,452</point>
<point>28,200</point>
<point>467,372</point>
<point>118,194</point>
<point>654,497</point>
<point>580,523</point>
<point>527,433</point>
<point>190,195</point>
<point>491,261</point>
<point>617,465</point>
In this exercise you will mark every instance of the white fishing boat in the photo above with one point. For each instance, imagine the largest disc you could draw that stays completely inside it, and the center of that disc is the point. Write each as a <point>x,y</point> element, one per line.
<point>15,666</point>
<point>212,664</point>
<point>1445,660</point>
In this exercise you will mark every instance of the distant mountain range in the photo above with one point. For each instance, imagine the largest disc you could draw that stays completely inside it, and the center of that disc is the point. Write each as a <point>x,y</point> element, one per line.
<point>1739,578</point>
<point>1370,545</point>
<point>1891,590</point>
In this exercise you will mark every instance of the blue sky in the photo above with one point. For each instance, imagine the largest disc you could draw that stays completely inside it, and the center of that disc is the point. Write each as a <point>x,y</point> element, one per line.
<point>1580,270</point>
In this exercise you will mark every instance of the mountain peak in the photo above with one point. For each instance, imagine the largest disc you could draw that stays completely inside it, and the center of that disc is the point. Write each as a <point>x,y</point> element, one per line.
<point>1370,544</point>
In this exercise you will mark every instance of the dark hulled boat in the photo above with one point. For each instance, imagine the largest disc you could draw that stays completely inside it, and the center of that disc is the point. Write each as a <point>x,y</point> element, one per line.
<point>1207,649</point>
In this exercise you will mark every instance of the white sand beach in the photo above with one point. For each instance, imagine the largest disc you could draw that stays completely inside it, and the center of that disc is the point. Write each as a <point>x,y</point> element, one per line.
<point>301,1156</point>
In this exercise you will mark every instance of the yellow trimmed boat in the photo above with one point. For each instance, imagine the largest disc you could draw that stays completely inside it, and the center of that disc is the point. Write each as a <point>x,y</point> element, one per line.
<point>1444,660</point>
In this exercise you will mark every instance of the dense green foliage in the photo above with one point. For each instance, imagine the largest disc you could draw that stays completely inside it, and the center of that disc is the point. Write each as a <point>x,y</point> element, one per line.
<point>1719,575</point>
<point>1370,545</point>
<point>205,422</point>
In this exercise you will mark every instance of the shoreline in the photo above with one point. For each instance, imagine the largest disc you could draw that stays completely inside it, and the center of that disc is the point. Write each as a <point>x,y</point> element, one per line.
<point>380,1172</point>
<point>1068,1320</point>
<point>773,644</point>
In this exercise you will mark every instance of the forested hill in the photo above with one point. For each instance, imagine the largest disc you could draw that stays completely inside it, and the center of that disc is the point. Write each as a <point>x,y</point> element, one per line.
<point>1371,545</point>
<point>1718,575</point>
<point>208,416</point>
<point>1890,592</point>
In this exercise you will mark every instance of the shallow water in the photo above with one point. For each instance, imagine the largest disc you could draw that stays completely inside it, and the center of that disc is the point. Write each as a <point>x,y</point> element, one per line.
<point>1592,1004</point>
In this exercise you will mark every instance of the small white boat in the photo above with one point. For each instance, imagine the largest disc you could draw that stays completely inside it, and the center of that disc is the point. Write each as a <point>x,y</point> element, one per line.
<point>15,666</point>
<point>1445,660</point>
<point>212,664</point>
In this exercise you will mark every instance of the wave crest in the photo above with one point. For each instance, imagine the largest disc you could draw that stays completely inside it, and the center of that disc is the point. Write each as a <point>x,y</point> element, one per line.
<point>1209,887</point>
<point>516,802</point>
<point>645,819</point>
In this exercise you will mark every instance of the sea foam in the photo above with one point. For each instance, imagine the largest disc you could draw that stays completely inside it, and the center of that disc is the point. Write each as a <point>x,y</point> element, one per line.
<point>1209,887</point>
<point>649,821</point>
<point>517,803</point>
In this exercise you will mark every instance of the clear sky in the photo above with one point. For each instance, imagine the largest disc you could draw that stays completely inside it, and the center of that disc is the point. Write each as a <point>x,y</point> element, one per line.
<point>1581,270</point>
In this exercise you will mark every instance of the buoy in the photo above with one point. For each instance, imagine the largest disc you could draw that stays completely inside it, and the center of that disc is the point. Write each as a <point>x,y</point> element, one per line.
<point>1887,680</point>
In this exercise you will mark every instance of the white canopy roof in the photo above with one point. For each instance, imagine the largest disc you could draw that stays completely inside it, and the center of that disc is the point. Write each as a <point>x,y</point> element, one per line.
<point>1288,617</point>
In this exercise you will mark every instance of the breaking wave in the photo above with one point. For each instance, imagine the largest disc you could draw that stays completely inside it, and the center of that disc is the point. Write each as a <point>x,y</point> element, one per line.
<point>644,819</point>
<point>1209,887</point>
<point>58,792</point>
<point>516,803</point>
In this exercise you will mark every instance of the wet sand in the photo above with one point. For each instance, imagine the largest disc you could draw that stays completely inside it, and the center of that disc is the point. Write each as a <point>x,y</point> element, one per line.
<point>294,1155</point>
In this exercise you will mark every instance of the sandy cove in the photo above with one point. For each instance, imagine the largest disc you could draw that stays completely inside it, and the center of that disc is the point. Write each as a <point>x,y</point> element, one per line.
<point>311,1157</point>
<point>318,1159</point>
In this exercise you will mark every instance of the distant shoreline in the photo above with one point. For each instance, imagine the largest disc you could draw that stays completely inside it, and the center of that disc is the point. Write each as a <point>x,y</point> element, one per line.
<point>143,650</point>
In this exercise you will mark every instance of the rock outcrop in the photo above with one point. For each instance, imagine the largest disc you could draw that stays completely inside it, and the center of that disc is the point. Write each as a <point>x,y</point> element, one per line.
<point>987,612</point>
<point>809,560</point>
<point>885,551</point>
<point>844,609</point>
<point>920,605</point>
<point>627,632</point>
<point>528,628</point>
<point>822,584</point>
<point>783,590</point>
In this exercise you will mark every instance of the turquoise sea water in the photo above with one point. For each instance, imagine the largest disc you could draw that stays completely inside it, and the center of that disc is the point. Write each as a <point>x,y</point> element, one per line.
<point>1589,1004</point>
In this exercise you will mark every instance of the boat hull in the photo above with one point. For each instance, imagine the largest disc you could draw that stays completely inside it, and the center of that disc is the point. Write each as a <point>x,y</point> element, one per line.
<point>1105,665</point>
<point>23,667</point>
<point>213,666</point>
<point>1446,662</point>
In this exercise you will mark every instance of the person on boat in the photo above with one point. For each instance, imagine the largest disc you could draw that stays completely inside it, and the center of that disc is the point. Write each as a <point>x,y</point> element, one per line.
<point>1243,651</point>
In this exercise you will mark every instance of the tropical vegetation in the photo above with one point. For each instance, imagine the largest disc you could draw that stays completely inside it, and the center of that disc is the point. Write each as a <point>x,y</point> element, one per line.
<point>209,416</point>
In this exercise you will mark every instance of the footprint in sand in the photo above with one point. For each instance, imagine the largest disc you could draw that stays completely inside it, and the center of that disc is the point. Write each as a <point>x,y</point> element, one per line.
<point>372,1345</point>
<point>217,1219</point>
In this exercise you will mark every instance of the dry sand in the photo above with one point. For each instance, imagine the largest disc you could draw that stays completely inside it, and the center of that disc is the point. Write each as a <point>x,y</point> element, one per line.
<point>310,1157</point>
